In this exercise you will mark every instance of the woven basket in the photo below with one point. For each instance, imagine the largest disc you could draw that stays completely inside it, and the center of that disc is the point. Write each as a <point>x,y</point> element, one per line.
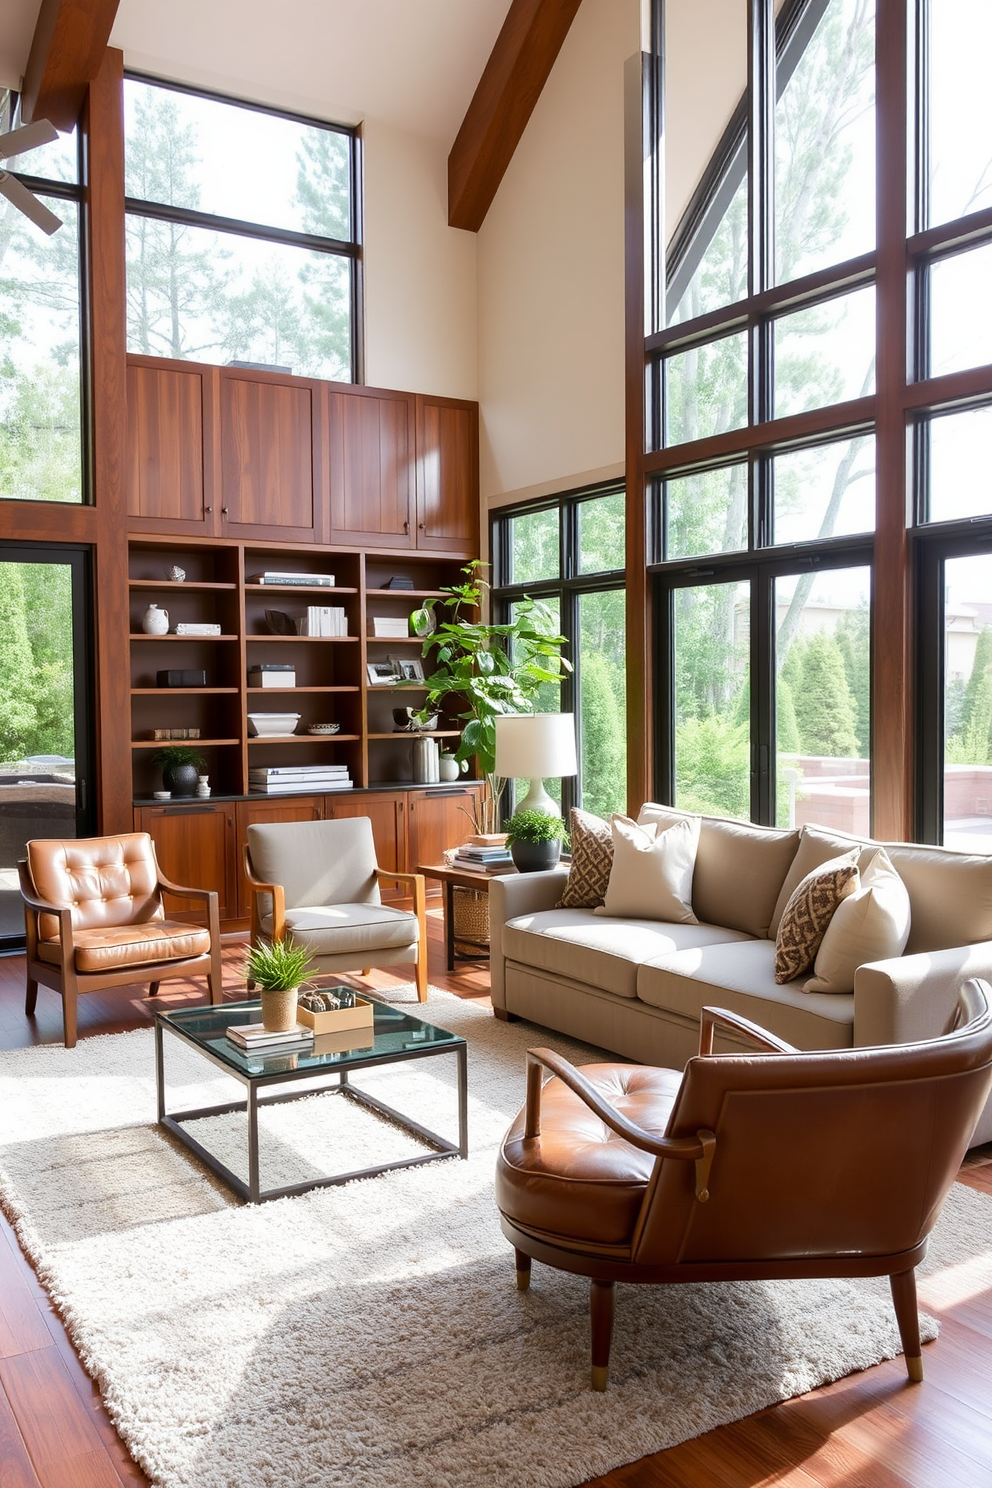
<point>470,913</point>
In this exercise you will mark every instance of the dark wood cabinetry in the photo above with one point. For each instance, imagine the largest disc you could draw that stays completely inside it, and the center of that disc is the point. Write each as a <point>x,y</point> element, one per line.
<point>195,845</point>
<point>165,428</point>
<point>448,475</point>
<point>371,437</point>
<point>438,819</point>
<point>267,453</point>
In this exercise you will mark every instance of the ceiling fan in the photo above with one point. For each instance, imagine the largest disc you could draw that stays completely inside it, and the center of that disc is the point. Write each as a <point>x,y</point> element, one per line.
<point>18,142</point>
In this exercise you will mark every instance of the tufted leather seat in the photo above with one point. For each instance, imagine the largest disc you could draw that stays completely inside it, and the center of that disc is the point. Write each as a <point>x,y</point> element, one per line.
<point>95,918</point>
<point>764,1165</point>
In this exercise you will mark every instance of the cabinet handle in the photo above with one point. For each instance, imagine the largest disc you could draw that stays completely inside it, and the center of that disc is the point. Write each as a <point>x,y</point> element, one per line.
<point>423,526</point>
<point>437,793</point>
<point>406,526</point>
<point>224,510</point>
<point>208,509</point>
<point>187,811</point>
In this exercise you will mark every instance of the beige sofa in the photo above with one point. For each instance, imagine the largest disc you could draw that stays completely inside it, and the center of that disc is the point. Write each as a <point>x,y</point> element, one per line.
<point>637,986</point>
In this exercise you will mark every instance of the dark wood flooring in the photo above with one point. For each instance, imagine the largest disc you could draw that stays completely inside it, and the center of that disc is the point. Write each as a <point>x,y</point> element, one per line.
<point>871,1430</point>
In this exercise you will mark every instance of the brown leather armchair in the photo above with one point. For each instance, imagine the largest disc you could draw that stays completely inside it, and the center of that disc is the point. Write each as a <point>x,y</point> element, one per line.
<point>771,1165</point>
<point>94,918</point>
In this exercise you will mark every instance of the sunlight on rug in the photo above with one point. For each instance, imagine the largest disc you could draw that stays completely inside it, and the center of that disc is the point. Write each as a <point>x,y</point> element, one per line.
<point>372,1334</point>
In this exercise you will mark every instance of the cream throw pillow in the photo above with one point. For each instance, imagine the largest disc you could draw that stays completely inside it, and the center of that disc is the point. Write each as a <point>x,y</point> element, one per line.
<point>809,912</point>
<point>651,877</point>
<point>870,925</point>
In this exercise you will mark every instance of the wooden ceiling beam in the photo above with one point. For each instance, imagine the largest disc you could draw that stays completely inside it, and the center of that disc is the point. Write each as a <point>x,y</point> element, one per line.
<point>67,51</point>
<point>517,70</point>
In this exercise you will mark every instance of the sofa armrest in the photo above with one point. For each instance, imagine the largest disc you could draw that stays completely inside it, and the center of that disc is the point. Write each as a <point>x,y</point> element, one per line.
<point>910,998</point>
<point>515,894</point>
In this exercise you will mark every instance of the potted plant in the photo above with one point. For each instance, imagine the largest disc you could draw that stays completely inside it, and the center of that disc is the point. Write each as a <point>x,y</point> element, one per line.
<point>180,768</point>
<point>534,839</point>
<point>278,968</point>
<point>489,669</point>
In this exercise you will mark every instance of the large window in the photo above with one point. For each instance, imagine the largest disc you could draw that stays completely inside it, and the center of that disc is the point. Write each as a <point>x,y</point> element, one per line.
<point>243,234</point>
<point>40,361</point>
<point>570,553</point>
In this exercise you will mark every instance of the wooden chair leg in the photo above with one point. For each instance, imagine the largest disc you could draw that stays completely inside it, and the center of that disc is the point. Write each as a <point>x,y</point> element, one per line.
<point>69,1016</point>
<point>30,996</point>
<point>365,971</point>
<point>601,1294</point>
<point>907,1316</point>
<point>421,972</point>
<point>153,988</point>
<point>523,1270</point>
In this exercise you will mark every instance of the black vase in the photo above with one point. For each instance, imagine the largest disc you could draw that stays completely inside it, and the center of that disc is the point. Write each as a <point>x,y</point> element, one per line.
<point>180,779</point>
<point>532,857</point>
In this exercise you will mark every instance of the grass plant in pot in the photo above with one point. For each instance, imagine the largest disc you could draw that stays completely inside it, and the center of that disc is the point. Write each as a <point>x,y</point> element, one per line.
<point>534,839</point>
<point>180,768</point>
<point>278,968</point>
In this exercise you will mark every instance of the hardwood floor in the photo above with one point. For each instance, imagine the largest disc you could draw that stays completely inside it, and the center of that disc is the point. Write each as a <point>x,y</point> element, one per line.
<point>871,1430</point>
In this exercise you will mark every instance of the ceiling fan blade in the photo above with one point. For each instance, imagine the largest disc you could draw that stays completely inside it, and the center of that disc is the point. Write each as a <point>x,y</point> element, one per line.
<point>28,137</point>
<point>25,201</point>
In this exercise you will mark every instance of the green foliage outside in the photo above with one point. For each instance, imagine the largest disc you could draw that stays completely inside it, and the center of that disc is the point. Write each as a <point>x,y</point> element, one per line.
<point>36,693</point>
<point>968,735</point>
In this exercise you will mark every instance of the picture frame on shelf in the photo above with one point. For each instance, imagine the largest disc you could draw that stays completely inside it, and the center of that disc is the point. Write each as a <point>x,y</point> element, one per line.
<point>411,670</point>
<point>382,673</point>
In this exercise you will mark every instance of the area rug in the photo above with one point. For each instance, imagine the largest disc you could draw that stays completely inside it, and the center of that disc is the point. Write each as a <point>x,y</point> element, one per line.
<point>371,1336</point>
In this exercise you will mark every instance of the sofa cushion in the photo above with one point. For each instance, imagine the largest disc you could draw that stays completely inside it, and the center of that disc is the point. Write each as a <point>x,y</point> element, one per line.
<point>349,929</point>
<point>592,859</point>
<point>871,924</point>
<point>809,912</point>
<point>816,847</point>
<point>741,977</point>
<point>739,868</point>
<point>651,877</point>
<point>599,952</point>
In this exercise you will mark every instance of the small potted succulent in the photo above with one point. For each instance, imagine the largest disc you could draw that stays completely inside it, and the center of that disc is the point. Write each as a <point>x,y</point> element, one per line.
<point>181,767</point>
<point>278,968</point>
<point>534,839</point>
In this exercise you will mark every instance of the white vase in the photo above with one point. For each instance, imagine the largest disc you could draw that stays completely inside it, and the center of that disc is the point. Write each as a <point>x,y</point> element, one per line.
<point>155,621</point>
<point>448,767</point>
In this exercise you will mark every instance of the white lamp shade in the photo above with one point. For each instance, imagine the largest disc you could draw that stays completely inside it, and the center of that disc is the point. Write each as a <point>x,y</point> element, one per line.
<point>533,746</point>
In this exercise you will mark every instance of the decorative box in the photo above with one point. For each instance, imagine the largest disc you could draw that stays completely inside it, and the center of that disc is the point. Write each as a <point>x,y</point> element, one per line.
<point>359,1016</point>
<point>181,677</point>
<point>273,674</point>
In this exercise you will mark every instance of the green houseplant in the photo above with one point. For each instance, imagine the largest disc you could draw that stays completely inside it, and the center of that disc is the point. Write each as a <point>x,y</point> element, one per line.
<point>489,669</point>
<point>180,767</point>
<point>278,968</point>
<point>534,839</point>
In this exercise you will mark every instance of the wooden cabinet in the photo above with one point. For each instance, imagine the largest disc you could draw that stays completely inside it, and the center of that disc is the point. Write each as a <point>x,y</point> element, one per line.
<point>447,475</point>
<point>267,457</point>
<point>371,439</point>
<point>438,819</point>
<point>195,845</point>
<point>165,444</point>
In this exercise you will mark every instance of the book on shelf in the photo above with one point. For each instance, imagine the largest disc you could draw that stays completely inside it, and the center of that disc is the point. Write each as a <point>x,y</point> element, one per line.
<point>324,620</point>
<point>483,853</point>
<point>472,865</point>
<point>386,627</point>
<point>257,1036</point>
<point>322,581</point>
<point>191,628</point>
<point>287,787</point>
<point>303,772</point>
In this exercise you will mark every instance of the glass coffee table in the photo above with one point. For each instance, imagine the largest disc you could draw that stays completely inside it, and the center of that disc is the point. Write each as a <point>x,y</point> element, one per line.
<point>395,1038</point>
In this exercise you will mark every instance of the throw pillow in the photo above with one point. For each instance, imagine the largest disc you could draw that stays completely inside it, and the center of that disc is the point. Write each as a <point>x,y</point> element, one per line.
<point>870,925</point>
<point>592,859</point>
<point>809,912</point>
<point>651,877</point>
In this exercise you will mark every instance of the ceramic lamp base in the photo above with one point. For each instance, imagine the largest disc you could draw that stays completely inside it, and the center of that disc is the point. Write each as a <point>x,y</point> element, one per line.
<point>537,799</point>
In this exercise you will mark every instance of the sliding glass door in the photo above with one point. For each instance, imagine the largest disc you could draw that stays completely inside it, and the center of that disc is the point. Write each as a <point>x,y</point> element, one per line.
<point>45,691</point>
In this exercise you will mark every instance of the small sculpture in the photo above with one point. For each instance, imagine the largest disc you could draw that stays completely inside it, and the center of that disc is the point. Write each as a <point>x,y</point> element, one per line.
<point>177,574</point>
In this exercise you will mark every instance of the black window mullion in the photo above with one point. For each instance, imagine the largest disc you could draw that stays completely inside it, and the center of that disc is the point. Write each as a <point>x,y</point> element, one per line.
<point>761,145</point>
<point>762,696</point>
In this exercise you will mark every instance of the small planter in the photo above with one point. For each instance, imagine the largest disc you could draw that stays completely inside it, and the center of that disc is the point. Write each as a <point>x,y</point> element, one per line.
<point>533,857</point>
<point>181,780</point>
<point>279,1013</point>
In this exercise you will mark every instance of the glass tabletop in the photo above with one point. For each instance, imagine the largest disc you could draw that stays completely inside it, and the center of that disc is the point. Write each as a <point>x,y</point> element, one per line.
<point>394,1035</point>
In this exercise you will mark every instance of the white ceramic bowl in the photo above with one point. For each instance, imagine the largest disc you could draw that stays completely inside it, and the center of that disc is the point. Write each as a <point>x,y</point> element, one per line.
<point>272,725</point>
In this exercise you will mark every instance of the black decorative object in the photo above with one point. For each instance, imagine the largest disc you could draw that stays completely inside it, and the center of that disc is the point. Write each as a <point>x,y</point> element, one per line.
<point>535,857</point>
<point>279,622</point>
<point>181,678</point>
<point>399,581</point>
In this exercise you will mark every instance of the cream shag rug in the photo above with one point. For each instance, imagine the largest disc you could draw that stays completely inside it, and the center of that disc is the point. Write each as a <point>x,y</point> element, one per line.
<point>372,1334</point>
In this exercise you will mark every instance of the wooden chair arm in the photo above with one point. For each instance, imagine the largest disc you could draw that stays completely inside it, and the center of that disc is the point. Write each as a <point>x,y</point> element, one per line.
<point>711,1016</point>
<point>418,881</point>
<point>256,887</point>
<point>699,1149</point>
<point>181,890</point>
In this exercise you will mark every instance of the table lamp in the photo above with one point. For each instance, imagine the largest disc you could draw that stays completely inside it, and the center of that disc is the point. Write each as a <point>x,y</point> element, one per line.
<point>531,746</point>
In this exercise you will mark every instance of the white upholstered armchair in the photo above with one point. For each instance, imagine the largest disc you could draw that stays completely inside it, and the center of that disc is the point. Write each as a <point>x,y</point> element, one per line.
<point>318,881</point>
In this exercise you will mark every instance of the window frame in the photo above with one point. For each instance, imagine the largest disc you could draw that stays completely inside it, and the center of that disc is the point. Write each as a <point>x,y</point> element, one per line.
<point>350,249</point>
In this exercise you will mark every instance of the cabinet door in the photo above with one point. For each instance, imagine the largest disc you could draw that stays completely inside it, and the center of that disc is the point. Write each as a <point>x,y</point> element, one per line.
<point>195,846</point>
<point>371,437</point>
<point>267,457</point>
<point>296,808</point>
<point>448,476</point>
<point>165,448</point>
<point>387,814</point>
<point>438,819</point>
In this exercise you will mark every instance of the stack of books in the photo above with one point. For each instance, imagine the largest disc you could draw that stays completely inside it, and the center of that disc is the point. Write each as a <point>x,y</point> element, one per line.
<point>251,1036</point>
<point>186,628</point>
<point>323,581</point>
<point>274,780</point>
<point>324,620</point>
<point>496,859</point>
<point>389,627</point>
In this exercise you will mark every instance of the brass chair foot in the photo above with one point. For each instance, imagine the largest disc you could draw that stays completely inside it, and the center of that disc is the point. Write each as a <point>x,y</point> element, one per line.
<point>599,1374</point>
<point>914,1368</point>
<point>523,1281</point>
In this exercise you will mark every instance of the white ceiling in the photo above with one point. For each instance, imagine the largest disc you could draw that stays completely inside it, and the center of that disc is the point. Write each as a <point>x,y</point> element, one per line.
<point>413,64</point>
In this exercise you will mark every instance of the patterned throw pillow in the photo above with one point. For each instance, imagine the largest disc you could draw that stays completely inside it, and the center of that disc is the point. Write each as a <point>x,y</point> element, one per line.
<point>809,912</point>
<point>592,859</point>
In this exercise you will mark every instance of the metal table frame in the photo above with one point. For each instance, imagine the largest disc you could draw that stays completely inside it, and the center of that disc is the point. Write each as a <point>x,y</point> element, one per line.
<point>252,1192</point>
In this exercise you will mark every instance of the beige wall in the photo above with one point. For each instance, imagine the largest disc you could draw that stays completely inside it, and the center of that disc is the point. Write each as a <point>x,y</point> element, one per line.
<point>550,275</point>
<point>705,78</point>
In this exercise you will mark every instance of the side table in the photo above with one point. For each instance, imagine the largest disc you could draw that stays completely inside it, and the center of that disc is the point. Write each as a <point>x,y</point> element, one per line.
<point>455,878</point>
